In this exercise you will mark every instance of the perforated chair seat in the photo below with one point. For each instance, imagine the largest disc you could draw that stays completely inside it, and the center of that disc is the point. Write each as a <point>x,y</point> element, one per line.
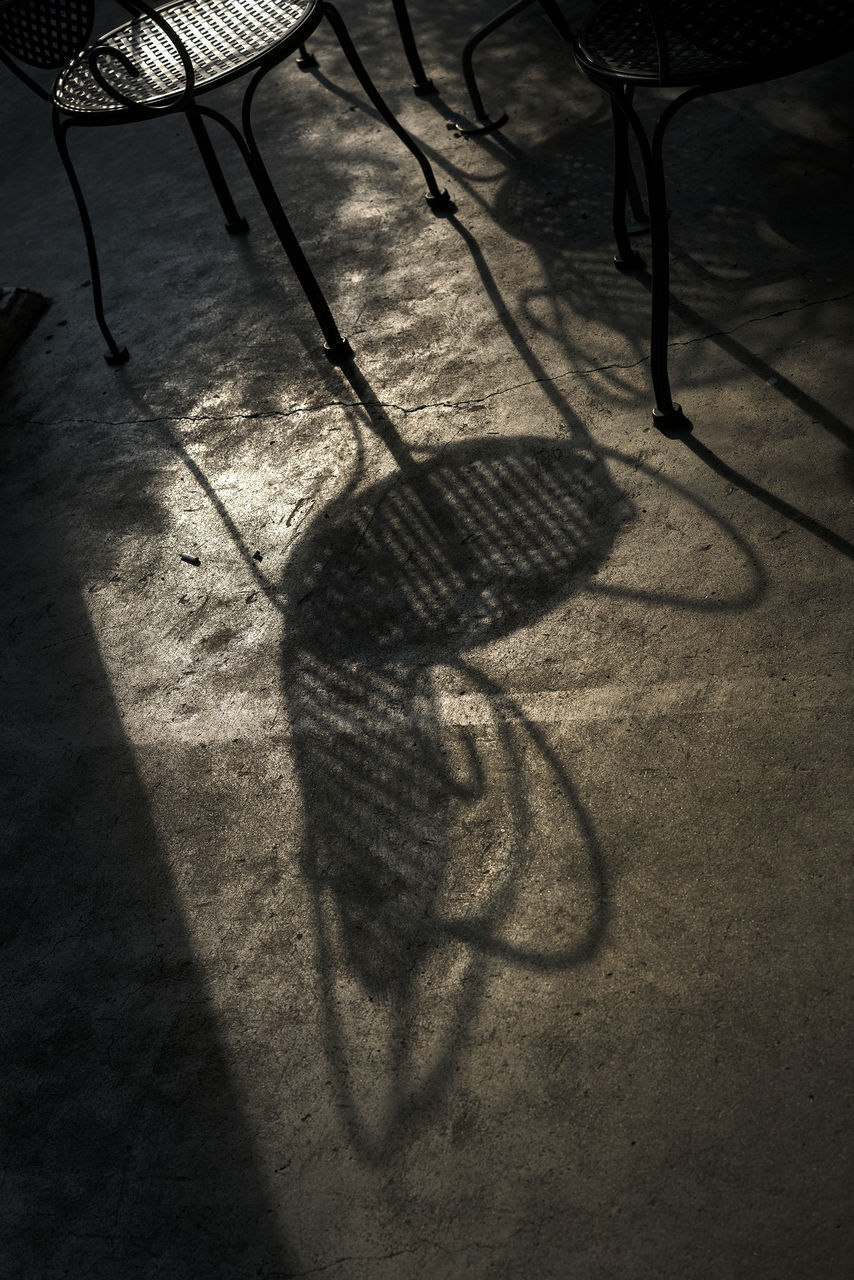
<point>159,63</point>
<point>224,39</point>
<point>706,43</point>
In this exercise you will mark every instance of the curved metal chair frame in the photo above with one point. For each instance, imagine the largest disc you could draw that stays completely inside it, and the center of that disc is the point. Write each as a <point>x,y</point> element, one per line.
<point>158,64</point>
<point>696,48</point>
<point>483,122</point>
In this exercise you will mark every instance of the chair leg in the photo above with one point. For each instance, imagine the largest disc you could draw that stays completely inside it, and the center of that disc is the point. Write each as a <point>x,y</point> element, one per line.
<point>627,258</point>
<point>115,355</point>
<point>306,59</point>
<point>438,200</point>
<point>337,349</point>
<point>234,224</point>
<point>667,416</point>
<point>423,85</point>
<point>639,213</point>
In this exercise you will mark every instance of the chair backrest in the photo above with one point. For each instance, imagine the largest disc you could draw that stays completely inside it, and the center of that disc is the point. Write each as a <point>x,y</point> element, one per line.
<point>45,33</point>
<point>737,33</point>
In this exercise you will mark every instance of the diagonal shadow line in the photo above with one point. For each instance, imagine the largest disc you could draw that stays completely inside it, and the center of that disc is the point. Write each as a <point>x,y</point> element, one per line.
<point>801,399</point>
<point>503,314</point>
<point>820,414</point>
<point>783,508</point>
<point>351,97</point>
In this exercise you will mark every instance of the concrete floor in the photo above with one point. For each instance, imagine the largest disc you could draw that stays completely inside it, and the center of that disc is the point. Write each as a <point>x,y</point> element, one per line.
<point>450,874</point>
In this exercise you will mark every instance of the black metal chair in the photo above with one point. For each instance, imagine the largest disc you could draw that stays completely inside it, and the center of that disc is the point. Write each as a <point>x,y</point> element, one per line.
<point>160,62</point>
<point>694,47</point>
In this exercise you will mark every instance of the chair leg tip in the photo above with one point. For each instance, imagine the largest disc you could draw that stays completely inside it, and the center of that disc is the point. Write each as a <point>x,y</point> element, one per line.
<point>671,422</point>
<point>483,124</point>
<point>238,228</point>
<point>441,203</point>
<point>117,358</point>
<point>338,352</point>
<point>424,88</point>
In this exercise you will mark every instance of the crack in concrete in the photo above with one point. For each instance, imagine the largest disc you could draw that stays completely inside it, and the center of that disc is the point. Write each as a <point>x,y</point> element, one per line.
<point>278,415</point>
<point>771,315</point>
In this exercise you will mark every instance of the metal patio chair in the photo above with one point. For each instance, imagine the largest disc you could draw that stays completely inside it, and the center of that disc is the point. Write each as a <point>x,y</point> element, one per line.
<point>160,62</point>
<point>695,48</point>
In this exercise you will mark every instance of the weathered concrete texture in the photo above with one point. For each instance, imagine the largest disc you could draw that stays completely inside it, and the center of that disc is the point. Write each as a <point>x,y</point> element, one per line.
<point>449,874</point>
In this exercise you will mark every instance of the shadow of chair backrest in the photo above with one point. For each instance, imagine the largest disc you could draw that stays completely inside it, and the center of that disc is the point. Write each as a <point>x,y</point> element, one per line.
<point>454,552</point>
<point>420,829</point>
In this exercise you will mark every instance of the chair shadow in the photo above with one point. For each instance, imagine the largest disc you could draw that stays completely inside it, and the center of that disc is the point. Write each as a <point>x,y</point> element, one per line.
<point>443,834</point>
<point>444,841</point>
<point>420,836</point>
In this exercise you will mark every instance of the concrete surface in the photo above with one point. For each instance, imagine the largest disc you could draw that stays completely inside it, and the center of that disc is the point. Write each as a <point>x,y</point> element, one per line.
<point>450,874</point>
<point>20,312</point>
